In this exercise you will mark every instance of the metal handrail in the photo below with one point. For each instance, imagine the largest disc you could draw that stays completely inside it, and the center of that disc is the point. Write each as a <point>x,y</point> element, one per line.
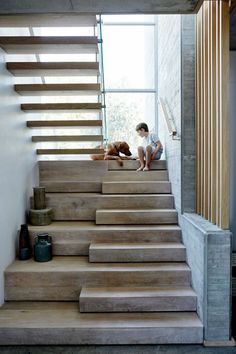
<point>101,61</point>
<point>169,120</point>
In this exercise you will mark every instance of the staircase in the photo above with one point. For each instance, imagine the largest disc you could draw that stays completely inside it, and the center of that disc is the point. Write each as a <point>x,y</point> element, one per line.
<point>119,273</point>
<point>63,98</point>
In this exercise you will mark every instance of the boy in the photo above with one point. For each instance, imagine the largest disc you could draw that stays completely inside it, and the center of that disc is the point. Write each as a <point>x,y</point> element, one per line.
<point>151,148</point>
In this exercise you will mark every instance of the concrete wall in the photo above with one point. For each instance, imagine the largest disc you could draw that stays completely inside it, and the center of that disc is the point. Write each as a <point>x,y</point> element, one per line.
<point>17,171</point>
<point>232,147</point>
<point>169,89</point>
<point>209,257</point>
<point>188,113</point>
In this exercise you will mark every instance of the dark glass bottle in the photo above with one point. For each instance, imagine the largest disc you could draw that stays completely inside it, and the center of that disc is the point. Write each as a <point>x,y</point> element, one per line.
<point>24,243</point>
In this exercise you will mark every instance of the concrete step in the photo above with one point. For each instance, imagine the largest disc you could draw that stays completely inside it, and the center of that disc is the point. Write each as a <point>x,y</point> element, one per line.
<point>63,278</point>
<point>134,164</point>
<point>74,237</point>
<point>50,323</point>
<point>141,187</point>
<point>83,206</point>
<point>137,252</point>
<point>136,216</point>
<point>142,299</point>
<point>123,175</point>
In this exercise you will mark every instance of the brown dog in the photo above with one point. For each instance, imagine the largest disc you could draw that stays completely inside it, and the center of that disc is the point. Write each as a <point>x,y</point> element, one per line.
<point>113,152</point>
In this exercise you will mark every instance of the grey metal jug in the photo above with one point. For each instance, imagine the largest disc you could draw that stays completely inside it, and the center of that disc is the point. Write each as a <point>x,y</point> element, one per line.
<point>43,248</point>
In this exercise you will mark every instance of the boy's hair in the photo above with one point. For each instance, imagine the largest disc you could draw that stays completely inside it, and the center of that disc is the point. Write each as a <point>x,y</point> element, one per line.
<point>142,126</point>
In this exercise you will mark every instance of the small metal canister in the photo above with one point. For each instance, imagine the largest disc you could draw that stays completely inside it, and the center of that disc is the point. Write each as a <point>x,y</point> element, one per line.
<point>43,248</point>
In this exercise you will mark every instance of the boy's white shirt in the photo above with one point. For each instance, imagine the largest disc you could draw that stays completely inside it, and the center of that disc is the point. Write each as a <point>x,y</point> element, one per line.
<point>151,139</point>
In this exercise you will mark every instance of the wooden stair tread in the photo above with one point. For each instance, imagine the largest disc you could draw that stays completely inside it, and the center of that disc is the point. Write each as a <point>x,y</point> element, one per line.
<point>40,138</point>
<point>98,292</point>
<point>141,187</point>
<point>136,246</point>
<point>44,323</point>
<point>69,151</point>
<point>57,89</point>
<point>127,176</point>
<point>38,69</point>
<point>63,123</point>
<point>140,210</point>
<point>49,44</point>
<point>80,263</point>
<point>90,226</point>
<point>49,107</point>
<point>48,20</point>
<point>133,165</point>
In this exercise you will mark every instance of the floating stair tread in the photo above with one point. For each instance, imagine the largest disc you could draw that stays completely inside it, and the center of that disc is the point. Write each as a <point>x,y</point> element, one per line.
<point>80,263</point>
<point>143,292</point>
<point>127,176</point>
<point>38,69</point>
<point>48,20</point>
<point>60,323</point>
<point>40,138</point>
<point>49,44</point>
<point>57,89</point>
<point>137,252</point>
<point>90,225</point>
<point>63,123</point>
<point>69,151</point>
<point>135,246</point>
<point>134,164</point>
<point>49,107</point>
<point>136,187</point>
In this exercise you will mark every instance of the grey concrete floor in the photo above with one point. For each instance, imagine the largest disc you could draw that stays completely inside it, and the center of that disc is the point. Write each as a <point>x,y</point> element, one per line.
<point>140,349</point>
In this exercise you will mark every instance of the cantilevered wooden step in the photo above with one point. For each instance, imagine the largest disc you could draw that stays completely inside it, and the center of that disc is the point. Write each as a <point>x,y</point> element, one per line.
<point>142,299</point>
<point>83,206</point>
<point>130,187</point>
<point>63,107</point>
<point>63,123</point>
<point>38,69</point>
<point>49,323</point>
<point>134,164</point>
<point>42,138</point>
<point>62,278</point>
<point>48,20</point>
<point>134,176</point>
<point>136,216</point>
<point>74,237</point>
<point>69,151</point>
<point>137,252</point>
<point>49,45</point>
<point>58,89</point>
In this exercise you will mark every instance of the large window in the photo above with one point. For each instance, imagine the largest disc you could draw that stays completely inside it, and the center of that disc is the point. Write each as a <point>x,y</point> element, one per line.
<point>128,43</point>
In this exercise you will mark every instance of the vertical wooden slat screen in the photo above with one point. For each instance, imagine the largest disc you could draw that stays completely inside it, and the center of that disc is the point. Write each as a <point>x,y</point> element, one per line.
<point>212,116</point>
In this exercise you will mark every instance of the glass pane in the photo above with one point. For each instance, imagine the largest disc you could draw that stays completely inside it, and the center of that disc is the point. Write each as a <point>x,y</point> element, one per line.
<point>129,56</point>
<point>125,111</point>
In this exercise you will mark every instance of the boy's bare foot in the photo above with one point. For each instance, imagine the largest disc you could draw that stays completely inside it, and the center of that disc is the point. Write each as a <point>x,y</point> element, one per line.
<point>140,168</point>
<point>146,168</point>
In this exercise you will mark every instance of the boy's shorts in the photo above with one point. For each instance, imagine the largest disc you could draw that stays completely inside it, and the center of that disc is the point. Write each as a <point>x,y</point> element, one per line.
<point>158,156</point>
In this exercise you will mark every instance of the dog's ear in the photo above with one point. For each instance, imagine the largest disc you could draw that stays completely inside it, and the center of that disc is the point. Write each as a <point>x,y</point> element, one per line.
<point>118,144</point>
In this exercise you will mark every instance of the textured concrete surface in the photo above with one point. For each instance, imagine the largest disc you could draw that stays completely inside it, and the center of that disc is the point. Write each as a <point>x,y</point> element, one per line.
<point>188,37</point>
<point>99,6</point>
<point>142,349</point>
<point>209,257</point>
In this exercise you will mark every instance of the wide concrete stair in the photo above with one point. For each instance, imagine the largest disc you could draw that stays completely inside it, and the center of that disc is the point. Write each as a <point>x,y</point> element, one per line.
<point>119,273</point>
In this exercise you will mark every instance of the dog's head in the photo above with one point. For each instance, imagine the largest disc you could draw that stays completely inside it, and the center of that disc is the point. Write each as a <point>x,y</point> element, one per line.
<point>123,147</point>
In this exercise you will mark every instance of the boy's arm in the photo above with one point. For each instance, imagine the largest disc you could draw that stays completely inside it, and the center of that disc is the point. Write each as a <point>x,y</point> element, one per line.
<point>158,147</point>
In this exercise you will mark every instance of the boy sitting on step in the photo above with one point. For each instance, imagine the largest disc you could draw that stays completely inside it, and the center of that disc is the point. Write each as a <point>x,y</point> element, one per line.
<point>151,148</point>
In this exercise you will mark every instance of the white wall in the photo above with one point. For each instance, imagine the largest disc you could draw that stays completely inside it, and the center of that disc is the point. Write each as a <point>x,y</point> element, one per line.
<point>168,37</point>
<point>232,148</point>
<point>17,169</point>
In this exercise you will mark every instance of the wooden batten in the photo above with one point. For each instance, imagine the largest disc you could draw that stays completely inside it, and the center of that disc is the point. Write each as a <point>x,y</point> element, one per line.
<point>212,116</point>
